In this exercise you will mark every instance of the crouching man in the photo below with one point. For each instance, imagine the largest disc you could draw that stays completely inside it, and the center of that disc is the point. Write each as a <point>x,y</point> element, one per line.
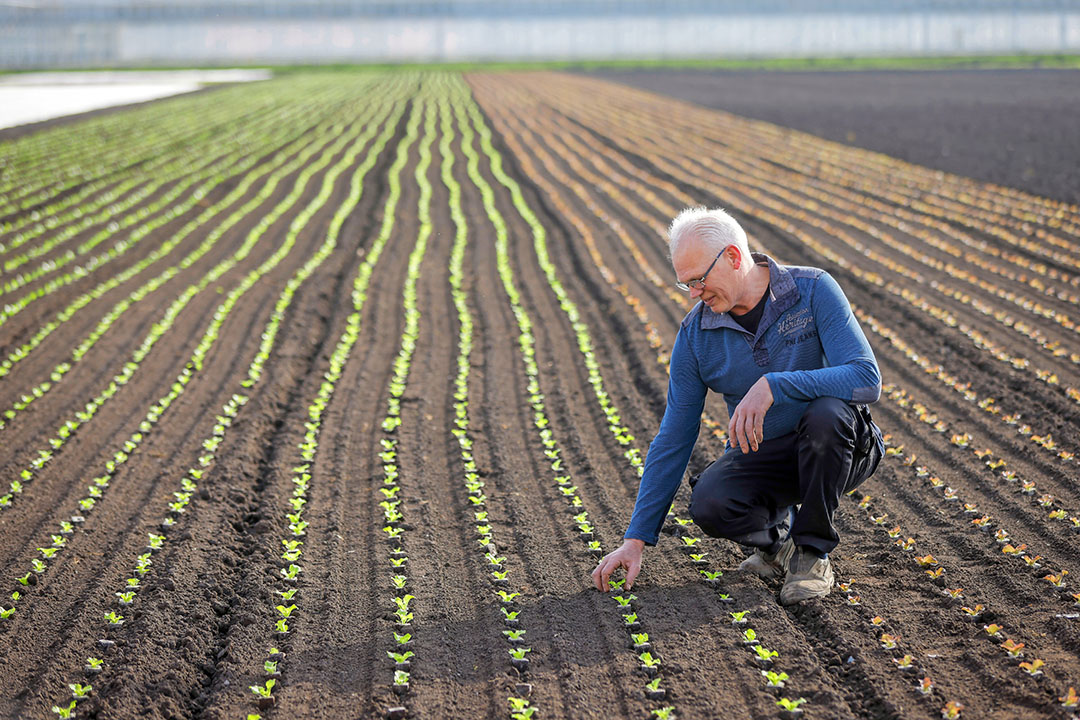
<point>784,348</point>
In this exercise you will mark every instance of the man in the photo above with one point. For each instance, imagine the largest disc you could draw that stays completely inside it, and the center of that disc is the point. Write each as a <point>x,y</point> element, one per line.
<point>782,345</point>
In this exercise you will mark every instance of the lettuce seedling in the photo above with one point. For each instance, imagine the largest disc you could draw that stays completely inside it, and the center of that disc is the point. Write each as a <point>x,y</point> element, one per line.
<point>993,630</point>
<point>739,618</point>
<point>888,641</point>
<point>519,653</point>
<point>399,581</point>
<point>1070,699</point>
<point>624,601</point>
<point>1056,580</point>
<point>263,691</point>
<point>698,558</point>
<point>6,613</point>
<point>1033,668</point>
<point>664,713</point>
<point>38,566</point>
<point>402,638</point>
<point>65,712</point>
<point>926,686</point>
<point>25,579</point>
<point>400,658</point>
<point>281,626</point>
<point>904,663</point>
<point>774,679</point>
<point>952,709</point>
<point>290,572</point>
<point>513,636</point>
<point>630,619</point>
<point>972,612</point>
<point>765,654</point>
<point>506,597</point>
<point>114,619</point>
<point>270,666</point>
<point>790,705</point>
<point>1015,649</point>
<point>749,637</point>
<point>286,611</point>
<point>639,638</point>
<point>126,598</point>
<point>648,660</point>
<point>80,691</point>
<point>398,562</point>
<point>403,617</point>
<point>510,614</point>
<point>287,594</point>
<point>94,664</point>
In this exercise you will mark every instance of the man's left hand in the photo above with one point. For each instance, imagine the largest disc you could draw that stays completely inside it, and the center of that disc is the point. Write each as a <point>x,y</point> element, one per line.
<point>747,423</point>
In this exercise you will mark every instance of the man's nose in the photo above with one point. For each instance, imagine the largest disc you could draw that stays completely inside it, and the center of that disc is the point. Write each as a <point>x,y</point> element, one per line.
<point>695,292</point>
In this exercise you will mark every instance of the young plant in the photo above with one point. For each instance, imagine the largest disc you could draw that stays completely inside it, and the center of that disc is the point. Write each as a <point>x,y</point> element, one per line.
<point>80,691</point>
<point>926,686</point>
<point>519,653</point>
<point>664,713</point>
<point>739,618</point>
<point>749,637</point>
<point>765,654</point>
<point>648,660</point>
<point>65,712</point>
<point>790,705</point>
<point>904,663</point>
<point>774,679</point>
<point>114,619</point>
<point>1033,668</point>
<point>399,658</point>
<point>263,691</point>
<point>1015,649</point>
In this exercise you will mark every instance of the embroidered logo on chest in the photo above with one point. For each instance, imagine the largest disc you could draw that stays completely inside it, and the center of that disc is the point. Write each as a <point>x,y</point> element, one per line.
<point>794,322</point>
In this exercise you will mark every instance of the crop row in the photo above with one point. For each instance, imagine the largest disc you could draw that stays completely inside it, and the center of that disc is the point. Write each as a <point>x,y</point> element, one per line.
<point>212,443</point>
<point>234,153</point>
<point>278,169</point>
<point>69,427</point>
<point>119,191</point>
<point>105,147</point>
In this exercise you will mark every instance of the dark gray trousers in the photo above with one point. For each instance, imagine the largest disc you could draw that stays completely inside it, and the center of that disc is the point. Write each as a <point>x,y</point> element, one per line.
<point>747,497</point>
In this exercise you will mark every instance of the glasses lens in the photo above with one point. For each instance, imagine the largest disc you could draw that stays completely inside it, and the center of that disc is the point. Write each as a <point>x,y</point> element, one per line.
<point>683,286</point>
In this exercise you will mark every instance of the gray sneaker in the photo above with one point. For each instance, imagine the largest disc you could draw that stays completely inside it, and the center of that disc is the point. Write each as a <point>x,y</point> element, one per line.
<point>808,577</point>
<point>769,566</point>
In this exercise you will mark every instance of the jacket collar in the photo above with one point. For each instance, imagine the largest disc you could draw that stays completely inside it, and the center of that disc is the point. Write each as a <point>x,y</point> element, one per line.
<point>783,294</point>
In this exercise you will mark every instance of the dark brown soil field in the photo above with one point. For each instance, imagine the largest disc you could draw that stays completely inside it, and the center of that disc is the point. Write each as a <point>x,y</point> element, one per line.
<point>379,382</point>
<point>1011,127</point>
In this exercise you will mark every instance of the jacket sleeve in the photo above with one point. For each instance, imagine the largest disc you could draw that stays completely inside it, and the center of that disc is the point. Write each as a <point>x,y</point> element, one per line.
<point>670,450</point>
<point>851,371</point>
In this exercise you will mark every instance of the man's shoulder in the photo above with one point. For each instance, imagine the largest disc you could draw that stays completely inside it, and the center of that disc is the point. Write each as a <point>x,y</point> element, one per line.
<point>692,318</point>
<point>804,272</point>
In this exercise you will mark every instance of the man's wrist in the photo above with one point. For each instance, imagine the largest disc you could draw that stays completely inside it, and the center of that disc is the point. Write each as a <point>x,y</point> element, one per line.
<point>639,544</point>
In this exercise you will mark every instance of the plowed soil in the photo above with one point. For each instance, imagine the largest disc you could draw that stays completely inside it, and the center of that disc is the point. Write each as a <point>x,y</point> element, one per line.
<point>975,284</point>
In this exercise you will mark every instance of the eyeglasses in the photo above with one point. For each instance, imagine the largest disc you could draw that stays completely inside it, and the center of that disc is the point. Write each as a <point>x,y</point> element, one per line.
<point>699,284</point>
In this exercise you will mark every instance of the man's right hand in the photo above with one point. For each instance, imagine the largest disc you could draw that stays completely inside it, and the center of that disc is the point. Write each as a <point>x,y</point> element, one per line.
<point>628,556</point>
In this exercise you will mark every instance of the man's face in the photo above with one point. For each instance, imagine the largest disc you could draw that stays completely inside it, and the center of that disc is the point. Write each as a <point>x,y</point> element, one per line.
<point>691,261</point>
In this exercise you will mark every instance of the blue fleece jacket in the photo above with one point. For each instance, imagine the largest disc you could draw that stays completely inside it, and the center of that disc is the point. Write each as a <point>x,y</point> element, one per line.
<point>808,345</point>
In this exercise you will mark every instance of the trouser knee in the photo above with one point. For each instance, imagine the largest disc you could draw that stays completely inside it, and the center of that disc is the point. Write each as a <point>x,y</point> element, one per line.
<point>724,516</point>
<point>826,422</point>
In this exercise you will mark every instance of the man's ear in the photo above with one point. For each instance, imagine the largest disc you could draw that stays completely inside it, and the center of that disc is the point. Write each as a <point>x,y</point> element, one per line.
<point>736,256</point>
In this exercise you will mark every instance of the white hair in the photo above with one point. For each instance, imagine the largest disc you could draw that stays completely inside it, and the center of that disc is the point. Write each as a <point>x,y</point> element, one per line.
<point>713,228</point>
